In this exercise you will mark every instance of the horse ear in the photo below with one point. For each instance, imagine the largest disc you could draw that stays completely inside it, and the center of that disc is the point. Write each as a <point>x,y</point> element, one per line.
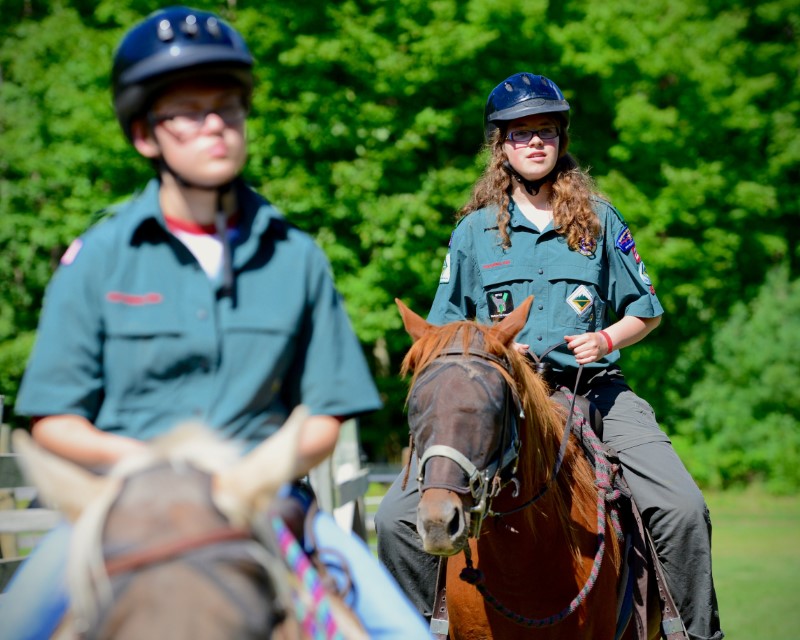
<point>415,325</point>
<point>256,478</point>
<point>507,329</point>
<point>61,484</point>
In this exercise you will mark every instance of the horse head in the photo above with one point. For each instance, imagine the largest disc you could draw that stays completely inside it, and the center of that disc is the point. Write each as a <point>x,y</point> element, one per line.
<point>175,538</point>
<point>464,410</point>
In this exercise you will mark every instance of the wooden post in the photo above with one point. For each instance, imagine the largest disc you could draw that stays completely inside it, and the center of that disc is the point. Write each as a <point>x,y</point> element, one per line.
<point>8,541</point>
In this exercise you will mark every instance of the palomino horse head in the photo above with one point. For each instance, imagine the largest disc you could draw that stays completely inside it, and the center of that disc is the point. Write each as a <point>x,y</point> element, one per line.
<point>464,411</point>
<point>175,541</point>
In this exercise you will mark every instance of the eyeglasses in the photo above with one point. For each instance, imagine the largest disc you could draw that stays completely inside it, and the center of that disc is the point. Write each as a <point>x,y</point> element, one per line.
<point>526,135</point>
<point>189,123</point>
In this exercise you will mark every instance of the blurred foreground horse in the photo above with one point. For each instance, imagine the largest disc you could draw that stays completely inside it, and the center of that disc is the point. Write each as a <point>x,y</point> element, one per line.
<point>180,542</point>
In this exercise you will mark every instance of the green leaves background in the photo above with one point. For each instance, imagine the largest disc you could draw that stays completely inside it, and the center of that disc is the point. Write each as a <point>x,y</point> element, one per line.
<point>366,131</point>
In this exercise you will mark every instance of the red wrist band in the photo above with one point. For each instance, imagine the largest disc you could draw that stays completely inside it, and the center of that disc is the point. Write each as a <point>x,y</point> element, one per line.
<point>608,340</point>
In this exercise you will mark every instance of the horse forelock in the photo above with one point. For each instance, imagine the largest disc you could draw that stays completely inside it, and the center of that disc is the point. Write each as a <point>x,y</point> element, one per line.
<point>188,442</point>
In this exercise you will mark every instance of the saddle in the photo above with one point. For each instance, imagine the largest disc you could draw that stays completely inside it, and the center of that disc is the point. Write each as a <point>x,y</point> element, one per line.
<point>297,508</point>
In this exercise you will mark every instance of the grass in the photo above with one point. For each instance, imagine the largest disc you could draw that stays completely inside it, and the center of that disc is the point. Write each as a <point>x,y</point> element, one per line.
<point>756,555</point>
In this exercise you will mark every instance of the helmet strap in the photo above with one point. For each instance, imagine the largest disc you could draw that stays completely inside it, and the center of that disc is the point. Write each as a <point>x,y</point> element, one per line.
<point>531,186</point>
<point>221,222</point>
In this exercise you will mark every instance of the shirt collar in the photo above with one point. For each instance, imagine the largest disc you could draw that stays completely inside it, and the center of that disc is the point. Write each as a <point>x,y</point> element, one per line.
<point>256,213</point>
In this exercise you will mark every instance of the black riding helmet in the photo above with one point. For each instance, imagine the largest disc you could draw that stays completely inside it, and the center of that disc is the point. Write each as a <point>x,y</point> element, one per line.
<point>522,94</point>
<point>170,45</point>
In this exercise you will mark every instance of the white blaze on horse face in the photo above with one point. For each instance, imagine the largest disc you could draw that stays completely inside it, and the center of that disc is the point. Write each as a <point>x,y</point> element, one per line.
<point>62,485</point>
<point>254,480</point>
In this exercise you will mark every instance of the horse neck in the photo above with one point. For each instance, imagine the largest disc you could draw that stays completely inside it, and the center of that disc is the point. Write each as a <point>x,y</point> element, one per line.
<point>561,505</point>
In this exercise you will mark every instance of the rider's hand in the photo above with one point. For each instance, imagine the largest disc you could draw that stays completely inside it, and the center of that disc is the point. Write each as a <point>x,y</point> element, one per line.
<point>520,348</point>
<point>587,347</point>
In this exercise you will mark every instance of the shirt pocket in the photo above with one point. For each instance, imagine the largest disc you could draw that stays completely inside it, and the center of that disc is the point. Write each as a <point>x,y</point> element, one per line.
<point>504,289</point>
<point>145,349</point>
<point>575,297</point>
<point>263,342</point>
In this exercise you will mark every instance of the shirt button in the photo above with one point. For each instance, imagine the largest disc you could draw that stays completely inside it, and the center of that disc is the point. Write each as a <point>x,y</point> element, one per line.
<point>539,338</point>
<point>202,314</point>
<point>541,271</point>
<point>541,306</point>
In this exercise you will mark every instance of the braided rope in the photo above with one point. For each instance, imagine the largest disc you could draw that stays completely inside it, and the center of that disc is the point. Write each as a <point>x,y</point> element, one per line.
<point>317,621</point>
<point>606,493</point>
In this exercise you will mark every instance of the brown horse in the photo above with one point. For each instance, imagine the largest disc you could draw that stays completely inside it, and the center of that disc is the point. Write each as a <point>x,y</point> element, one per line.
<point>501,484</point>
<point>177,542</point>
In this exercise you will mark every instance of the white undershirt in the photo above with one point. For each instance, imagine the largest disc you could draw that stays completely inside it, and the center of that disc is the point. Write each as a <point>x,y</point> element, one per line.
<point>206,247</point>
<point>203,241</point>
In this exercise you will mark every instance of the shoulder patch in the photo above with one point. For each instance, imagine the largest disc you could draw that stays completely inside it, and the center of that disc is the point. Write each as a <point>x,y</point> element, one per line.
<point>624,241</point>
<point>444,277</point>
<point>643,275</point>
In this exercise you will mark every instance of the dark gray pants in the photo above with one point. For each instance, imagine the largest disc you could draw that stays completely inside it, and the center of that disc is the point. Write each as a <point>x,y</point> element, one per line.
<point>670,502</point>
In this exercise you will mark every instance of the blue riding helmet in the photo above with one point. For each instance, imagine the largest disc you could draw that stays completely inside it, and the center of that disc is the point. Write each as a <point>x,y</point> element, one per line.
<point>170,45</point>
<point>523,94</point>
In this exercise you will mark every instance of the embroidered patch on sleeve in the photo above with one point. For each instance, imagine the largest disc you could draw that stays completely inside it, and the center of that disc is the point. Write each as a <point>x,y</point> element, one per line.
<point>580,300</point>
<point>625,240</point>
<point>643,274</point>
<point>444,278</point>
<point>500,304</point>
<point>72,252</point>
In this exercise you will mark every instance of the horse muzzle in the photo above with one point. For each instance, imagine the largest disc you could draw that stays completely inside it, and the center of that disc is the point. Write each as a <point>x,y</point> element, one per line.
<point>442,522</point>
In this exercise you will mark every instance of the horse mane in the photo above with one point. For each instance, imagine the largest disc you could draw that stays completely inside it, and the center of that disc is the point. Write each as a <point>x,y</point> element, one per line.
<point>542,427</point>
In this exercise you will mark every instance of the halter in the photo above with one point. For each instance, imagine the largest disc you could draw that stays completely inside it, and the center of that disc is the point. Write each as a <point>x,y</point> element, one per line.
<point>483,484</point>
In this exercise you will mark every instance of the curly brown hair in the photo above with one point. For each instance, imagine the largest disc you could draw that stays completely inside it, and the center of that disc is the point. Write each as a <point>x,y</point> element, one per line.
<point>573,190</point>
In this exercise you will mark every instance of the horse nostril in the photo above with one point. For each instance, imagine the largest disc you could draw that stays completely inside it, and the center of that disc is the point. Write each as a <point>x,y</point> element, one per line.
<point>454,527</point>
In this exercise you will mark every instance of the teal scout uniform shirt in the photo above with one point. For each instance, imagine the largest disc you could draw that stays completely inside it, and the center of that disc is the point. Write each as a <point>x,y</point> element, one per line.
<point>573,293</point>
<point>135,337</point>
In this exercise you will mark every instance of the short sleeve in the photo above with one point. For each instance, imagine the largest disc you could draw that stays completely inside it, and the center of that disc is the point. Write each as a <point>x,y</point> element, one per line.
<point>64,373</point>
<point>459,284</point>
<point>330,367</point>
<point>631,291</point>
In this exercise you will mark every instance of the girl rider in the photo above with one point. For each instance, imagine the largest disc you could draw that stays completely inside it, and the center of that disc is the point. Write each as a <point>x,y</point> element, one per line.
<point>535,225</point>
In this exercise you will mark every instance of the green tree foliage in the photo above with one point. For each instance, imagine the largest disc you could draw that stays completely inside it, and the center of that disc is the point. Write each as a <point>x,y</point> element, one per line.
<point>744,410</point>
<point>367,128</point>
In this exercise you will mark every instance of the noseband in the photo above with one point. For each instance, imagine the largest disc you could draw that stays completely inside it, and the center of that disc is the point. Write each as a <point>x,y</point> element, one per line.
<point>482,484</point>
